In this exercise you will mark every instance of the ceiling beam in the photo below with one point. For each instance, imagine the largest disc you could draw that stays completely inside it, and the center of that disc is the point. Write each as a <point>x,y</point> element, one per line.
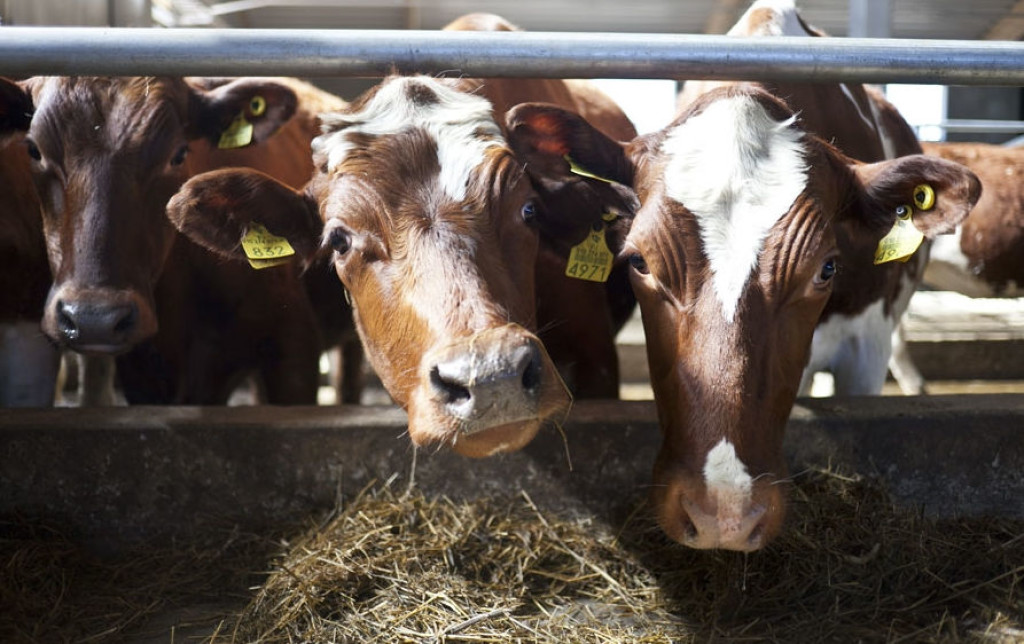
<point>1010,26</point>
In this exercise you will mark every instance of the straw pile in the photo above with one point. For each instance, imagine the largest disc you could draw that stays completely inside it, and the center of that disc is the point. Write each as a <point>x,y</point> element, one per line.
<point>54,589</point>
<point>405,567</point>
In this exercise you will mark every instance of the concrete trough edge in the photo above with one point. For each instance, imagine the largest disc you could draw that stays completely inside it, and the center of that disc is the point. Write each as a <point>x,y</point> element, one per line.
<point>115,476</point>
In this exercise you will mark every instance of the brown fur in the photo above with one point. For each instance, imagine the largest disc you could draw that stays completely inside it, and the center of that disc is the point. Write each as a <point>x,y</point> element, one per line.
<point>106,177</point>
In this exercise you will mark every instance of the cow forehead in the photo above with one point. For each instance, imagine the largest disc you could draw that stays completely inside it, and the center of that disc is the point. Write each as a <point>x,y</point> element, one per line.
<point>738,171</point>
<point>461,125</point>
<point>120,110</point>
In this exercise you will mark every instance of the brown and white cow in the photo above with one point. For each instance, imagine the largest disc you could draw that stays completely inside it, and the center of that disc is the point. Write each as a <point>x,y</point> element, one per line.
<point>106,156</point>
<point>448,247</point>
<point>753,233</point>
<point>985,257</point>
<point>28,360</point>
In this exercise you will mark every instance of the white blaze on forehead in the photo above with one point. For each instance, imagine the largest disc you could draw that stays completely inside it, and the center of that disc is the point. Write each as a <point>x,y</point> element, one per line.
<point>726,478</point>
<point>738,171</point>
<point>783,21</point>
<point>461,125</point>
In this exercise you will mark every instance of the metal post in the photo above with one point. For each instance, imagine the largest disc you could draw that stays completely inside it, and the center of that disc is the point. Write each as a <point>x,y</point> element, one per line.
<point>870,19</point>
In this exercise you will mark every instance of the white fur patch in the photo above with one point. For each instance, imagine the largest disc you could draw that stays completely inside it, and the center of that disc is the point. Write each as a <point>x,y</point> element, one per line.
<point>784,21</point>
<point>738,171</point>
<point>855,348</point>
<point>461,124</point>
<point>727,479</point>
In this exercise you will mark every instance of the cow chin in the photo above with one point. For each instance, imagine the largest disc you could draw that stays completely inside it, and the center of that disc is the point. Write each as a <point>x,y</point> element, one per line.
<point>487,393</point>
<point>732,512</point>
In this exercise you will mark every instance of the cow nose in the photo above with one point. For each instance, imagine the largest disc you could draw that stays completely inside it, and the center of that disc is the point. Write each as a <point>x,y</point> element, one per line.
<point>89,324</point>
<point>729,529</point>
<point>490,381</point>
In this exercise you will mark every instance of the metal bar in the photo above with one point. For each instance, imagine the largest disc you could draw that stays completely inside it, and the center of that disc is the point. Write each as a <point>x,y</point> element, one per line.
<point>316,53</point>
<point>977,125</point>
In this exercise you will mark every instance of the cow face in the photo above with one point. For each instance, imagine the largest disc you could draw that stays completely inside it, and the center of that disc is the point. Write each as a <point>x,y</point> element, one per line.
<point>734,251</point>
<point>430,220</point>
<point>107,154</point>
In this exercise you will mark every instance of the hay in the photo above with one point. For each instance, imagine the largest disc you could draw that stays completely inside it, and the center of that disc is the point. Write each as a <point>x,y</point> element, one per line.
<point>55,589</point>
<point>850,567</point>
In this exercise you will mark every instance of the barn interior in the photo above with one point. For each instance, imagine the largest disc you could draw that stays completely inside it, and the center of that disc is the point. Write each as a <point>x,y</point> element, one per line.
<point>91,485</point>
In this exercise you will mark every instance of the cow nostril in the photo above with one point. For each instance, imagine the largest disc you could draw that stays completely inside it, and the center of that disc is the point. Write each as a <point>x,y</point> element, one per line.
<point>127,321</point>
<point>531,374</point>
<point>452,391</point>
<point>65,322</point>
<point>689,530</point>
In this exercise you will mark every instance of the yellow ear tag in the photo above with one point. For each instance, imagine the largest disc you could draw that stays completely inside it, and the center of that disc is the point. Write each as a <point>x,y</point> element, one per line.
<point>265,249</point>
<point>900,242</point>
<point>924,197</point>
<point>578,169</point>
<point>591,259</point>
<point>238,134</point>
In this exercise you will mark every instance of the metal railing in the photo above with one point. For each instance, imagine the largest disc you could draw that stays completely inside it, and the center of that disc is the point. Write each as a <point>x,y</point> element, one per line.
<point>318,53</point>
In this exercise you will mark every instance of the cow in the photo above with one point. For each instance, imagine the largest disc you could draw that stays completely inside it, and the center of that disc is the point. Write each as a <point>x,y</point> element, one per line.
<point>106,154</point>
<point>450,250</point>
<point>753,234</point>
<point>985,257</point>
<point>28,361</point>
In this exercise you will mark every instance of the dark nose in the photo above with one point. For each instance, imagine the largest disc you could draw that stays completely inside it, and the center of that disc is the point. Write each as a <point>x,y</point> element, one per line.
<point>96,324</point>
<point>496,382</point>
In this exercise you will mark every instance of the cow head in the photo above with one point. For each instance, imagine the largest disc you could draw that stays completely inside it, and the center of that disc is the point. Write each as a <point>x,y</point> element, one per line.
<point>107,154</point>
<point>734,251</point>
<point>431,221</point>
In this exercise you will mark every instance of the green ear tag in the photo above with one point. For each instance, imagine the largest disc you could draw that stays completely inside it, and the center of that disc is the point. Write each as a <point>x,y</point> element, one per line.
<point>264,249</point>
<point>590,259</point>
<point>900,242</point>
<point>581,171</point>
<point>238,134</point>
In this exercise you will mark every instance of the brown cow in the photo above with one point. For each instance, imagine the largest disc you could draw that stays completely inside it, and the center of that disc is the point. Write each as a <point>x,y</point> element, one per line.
<point>985,258</point>
<point>752,233</point>
<point>440,237</point>
<point>28,360</point>
<point>106,155</point>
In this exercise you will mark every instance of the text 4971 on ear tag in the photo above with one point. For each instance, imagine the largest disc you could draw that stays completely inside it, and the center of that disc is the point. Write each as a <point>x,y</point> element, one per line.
<point>591,259</point>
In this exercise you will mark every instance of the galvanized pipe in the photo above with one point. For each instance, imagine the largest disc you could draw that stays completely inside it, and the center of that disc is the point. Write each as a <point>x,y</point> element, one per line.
<point>317,53</point>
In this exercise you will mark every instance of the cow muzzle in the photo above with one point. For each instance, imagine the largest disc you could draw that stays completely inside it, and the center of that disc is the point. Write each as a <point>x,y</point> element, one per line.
<point>489,392</point>
<point>728,518</point>
<point>98,321</point>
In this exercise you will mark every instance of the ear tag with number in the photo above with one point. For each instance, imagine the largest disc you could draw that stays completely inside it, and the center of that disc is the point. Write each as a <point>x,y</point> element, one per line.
<point>238,134</point>
<point>591,259</point>
<point>900,242</point>
<point>575,168</point>
<point>265,249</point>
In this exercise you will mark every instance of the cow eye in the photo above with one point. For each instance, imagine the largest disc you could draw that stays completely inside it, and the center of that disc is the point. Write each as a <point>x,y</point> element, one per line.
<point>340,240</point>
<point>828,271</point>
<point>529,212</point>
<point>33,150</point>
<point>636,260</point>
<point>179,156</point>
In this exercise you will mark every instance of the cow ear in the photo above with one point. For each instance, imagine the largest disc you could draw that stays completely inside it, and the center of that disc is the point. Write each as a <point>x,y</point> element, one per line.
<point>582,177</point>
<point>15,108</point>
<point>239,113</point>
<point>555,141</point>
<point>243,214</point>
<point>935,193</point>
